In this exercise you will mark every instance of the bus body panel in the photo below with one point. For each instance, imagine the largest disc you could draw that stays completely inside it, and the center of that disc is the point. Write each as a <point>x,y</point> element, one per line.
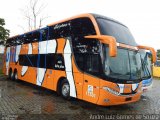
<point>57,75</point>
<point>78,77</point>
<point>91,88</point>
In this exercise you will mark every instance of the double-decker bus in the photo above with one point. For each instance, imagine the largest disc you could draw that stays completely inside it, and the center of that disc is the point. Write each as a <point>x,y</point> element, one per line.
<point>89,57</point>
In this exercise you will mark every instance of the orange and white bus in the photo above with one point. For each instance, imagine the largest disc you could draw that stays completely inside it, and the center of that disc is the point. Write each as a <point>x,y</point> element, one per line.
<point>89,57</point>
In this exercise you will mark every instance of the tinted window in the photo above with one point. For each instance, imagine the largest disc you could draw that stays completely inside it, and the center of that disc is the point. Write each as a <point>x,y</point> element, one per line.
<point>82,45</point>
<point>87,55</point>
<point>36,36</point>
<point>75,27</point>
<point>28,60</point>
<point>50,61</point>
<point>117,66</point>
<point>135,64</point>
<point>82,26</point>
<point>11,41</point>
<point>120,32</point>
<point>44,34</point>
<point>59,62</point>
<point>27,38</point>
<point>92,64</point>
<point>126,65</point>
<point>41,61</point>
<point>80,60</point>
<point>60,30</point>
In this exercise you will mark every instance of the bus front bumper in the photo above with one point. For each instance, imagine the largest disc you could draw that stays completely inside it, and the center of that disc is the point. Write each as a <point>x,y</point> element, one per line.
<point>109,99</point>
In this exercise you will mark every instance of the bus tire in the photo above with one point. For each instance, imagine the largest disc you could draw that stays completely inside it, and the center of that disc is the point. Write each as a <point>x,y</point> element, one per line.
<point>10,75</point>
<point>65,89</point>
<point>15,75</point>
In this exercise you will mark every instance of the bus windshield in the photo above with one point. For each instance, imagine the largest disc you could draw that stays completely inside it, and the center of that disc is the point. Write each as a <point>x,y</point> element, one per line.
<point>146,64</point>
<point>119,31</point>
<point>126,65</point>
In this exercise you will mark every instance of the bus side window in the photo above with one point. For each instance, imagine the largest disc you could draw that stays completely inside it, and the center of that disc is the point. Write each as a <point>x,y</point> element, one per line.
<point>28,38</point>
<point>80,60</point>
<point>36,36</point>
<point>60,30</point>
<point>87,54</point>
<point>59,62</point>
<point>44,33</point>
<point>19,41</point>
<point>92,64</point>
<point>21,60</point>
<point>50,60</point>
<point>10,42</point>
<point>82,26</point>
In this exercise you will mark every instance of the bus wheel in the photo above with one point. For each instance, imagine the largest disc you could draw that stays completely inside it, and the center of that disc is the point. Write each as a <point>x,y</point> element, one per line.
<point>10,75</point>
<point>15,76</point>
<point>65,89</point>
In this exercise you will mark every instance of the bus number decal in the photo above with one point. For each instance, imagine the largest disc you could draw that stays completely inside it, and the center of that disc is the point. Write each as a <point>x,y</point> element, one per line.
<point>90,91</point>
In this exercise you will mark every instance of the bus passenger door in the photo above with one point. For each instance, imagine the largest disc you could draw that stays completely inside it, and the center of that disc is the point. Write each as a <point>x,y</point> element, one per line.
<point>91,82</point>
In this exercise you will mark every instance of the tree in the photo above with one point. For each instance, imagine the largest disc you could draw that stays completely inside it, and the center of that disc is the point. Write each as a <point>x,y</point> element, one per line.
<point>4,33</point>
<point>33,14</point>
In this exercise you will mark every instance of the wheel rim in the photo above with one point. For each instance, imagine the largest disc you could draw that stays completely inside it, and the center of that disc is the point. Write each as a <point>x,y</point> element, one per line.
<point>65,89</point>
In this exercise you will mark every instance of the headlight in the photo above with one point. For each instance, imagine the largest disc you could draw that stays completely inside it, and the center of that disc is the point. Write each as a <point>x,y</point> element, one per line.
<point>111,90</point>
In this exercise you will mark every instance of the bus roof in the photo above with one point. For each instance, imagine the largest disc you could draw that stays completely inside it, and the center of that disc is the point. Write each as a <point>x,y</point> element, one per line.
<point>92,16</point>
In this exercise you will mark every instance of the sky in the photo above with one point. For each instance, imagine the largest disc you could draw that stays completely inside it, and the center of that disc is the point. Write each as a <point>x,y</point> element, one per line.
<point>141,16</point>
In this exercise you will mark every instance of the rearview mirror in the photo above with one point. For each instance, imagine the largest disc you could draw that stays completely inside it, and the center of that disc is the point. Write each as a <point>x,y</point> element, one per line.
<point>150,49</point>
<point>109,40</point>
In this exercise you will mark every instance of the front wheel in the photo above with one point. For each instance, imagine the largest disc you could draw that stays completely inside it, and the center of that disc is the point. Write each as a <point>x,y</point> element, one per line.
<point>65,89</point>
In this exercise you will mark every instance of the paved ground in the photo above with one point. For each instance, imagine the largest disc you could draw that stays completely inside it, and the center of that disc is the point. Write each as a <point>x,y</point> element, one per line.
<point>19,100</point>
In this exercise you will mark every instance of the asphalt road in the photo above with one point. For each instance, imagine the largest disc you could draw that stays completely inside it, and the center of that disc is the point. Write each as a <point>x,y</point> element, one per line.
<point>20,100</point>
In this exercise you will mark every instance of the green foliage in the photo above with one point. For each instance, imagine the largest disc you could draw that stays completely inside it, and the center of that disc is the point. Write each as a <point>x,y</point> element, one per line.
<point>158,54</point>
<point>4,33</point>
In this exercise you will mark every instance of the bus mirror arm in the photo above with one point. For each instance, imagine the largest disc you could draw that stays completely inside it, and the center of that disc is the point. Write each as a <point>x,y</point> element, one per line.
<point>109,40</point>
<point>150,49</point>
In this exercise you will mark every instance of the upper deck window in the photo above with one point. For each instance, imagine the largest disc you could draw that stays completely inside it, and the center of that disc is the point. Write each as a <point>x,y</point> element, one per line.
<point>75,27</point>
